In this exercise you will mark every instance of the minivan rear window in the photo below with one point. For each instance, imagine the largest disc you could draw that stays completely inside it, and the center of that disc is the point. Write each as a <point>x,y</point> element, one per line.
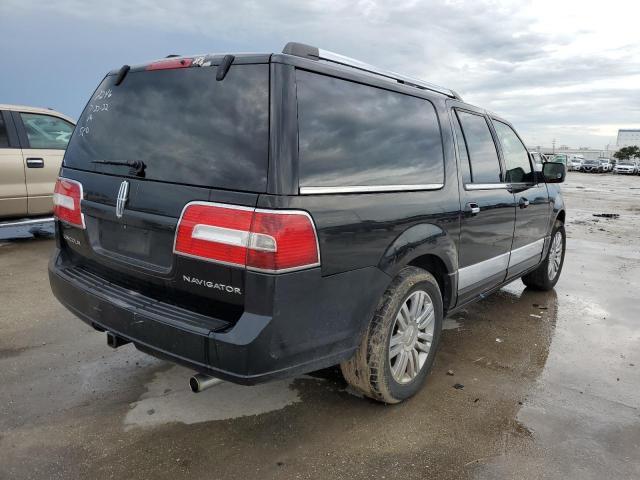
<point>357,135</point>
<point>183,124</point>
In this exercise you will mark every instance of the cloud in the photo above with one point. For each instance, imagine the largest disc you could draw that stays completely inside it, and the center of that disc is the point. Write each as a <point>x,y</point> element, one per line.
<point>540,65</point>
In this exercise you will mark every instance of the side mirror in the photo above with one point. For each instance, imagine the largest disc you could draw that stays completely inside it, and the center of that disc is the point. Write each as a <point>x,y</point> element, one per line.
<point>554,172</point>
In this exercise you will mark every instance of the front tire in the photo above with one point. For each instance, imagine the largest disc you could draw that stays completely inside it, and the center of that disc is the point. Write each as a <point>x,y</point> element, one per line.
<point>397,350</point>
<point>547,274</point>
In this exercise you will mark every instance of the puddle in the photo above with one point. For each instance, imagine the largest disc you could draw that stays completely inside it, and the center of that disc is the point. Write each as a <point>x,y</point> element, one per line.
<point>168,399</point>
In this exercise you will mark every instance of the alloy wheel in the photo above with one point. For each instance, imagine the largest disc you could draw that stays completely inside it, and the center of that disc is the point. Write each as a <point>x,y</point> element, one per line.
<point>555,256</point>
<point>411,337</point>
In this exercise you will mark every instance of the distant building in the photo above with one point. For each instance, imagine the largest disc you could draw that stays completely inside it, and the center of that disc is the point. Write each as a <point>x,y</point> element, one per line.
<point>587,153</point>
<point>628,137</point>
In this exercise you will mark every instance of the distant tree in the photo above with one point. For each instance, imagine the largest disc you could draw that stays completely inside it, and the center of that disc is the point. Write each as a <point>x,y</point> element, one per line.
<point>627,153</point>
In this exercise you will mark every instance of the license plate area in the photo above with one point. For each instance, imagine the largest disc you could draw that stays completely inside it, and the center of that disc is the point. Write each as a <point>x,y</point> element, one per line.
<point>145,245</point>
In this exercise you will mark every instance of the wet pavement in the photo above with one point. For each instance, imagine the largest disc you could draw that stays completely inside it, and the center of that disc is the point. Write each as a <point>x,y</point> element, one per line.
<point>551,385</point>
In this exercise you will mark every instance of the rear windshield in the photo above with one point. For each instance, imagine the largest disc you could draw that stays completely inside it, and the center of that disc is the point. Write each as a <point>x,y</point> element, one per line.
<point>183,124</point>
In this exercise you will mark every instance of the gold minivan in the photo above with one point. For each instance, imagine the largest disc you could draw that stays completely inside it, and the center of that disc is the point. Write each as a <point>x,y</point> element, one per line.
<point>32,144</point>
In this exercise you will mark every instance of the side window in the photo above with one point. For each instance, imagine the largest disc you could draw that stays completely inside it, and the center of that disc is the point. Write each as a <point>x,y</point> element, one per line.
<point>516,157</point>
<point>45,131</point>
<point>461,147</point>
<point>4,138</point>
<point>357,135</point>
<point>483,156</point>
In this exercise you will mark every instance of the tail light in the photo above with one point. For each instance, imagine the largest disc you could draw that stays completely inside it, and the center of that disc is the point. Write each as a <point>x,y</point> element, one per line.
<point>273,241</point>
<point>170,64</point>
<point>67,195</point>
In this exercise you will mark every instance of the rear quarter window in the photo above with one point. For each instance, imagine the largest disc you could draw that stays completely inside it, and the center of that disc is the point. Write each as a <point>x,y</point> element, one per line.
<point>357,135</point>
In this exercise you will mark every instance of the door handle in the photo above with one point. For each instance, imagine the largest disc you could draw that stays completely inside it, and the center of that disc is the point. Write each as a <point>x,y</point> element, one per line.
<point>523,202</point>
<point>35,163</point>
<point>473,208</point>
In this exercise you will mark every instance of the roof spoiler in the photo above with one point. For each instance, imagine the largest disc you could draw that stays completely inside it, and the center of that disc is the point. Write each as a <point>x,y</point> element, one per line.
<point>315,53</point>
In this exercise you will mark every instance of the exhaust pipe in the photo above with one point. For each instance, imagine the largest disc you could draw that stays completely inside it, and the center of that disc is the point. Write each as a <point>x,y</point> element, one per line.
<point>200,382</point>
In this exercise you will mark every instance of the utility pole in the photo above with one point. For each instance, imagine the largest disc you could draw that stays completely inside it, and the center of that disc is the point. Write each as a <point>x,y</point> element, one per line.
<point>554,145</point>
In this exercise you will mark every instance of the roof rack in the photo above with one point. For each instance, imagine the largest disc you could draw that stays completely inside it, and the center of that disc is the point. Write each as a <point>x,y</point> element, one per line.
<point>315,53</point>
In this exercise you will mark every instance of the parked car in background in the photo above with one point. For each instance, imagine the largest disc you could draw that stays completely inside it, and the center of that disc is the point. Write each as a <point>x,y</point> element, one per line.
<point>176,233</point>
<point>32,144</point>
<point>571,162</point>
<point>575,163</point>
<point>591,166</point>
<point>628,167</point>
<point>607,164</point>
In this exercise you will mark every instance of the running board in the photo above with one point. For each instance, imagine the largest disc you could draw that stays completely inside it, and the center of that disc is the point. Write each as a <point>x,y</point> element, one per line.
<point>28,221</point>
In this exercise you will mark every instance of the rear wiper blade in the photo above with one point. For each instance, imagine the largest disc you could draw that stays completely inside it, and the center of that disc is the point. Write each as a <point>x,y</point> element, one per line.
<point>136,167</point>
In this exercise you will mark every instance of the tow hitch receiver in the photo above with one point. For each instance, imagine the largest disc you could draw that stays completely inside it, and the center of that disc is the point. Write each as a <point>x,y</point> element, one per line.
<point>115,341</point>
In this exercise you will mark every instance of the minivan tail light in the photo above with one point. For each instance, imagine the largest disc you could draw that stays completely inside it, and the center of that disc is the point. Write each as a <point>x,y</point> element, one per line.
<point>67,196</point>
<point>273,241</point>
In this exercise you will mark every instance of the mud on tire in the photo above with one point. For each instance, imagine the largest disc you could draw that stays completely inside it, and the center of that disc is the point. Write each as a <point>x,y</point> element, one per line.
<point>369,370</point>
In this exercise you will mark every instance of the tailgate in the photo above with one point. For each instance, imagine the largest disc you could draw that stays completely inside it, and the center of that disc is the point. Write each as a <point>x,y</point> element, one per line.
<point>160,139</point>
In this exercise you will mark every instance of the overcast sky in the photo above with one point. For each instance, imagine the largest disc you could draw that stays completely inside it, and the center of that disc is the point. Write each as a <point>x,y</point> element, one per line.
<point>557,69</point>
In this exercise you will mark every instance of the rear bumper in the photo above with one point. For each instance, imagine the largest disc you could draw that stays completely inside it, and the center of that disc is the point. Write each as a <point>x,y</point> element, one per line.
<point>315,322</point>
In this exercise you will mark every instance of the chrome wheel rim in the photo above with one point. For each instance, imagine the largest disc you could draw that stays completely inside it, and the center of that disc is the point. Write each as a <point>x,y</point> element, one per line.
<point>411,337</point>
<point>555,256</point>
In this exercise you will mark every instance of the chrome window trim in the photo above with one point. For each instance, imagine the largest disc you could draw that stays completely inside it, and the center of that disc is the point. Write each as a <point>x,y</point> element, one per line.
<point>486,186</point>
<point>369,188</point>
<point>526,252</point>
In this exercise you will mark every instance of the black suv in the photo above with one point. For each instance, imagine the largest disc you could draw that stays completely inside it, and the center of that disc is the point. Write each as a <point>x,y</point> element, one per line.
<point>259,216</point>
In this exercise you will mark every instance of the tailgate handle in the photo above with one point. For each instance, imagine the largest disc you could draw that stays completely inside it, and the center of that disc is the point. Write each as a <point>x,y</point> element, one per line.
<point>35,163</point>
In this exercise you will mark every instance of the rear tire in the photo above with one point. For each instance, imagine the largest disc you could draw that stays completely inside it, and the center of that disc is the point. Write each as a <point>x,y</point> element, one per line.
<point>397,350</point>
<point>547,274</point>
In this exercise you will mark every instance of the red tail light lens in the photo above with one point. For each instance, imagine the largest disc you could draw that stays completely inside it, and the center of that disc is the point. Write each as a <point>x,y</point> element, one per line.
<point>282,241</point>
<point>214,232</point>
<point>273,241</point>
<point>67,195</point>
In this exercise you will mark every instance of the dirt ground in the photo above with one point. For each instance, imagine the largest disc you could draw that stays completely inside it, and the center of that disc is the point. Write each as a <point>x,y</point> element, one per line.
<point>551,385</point>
